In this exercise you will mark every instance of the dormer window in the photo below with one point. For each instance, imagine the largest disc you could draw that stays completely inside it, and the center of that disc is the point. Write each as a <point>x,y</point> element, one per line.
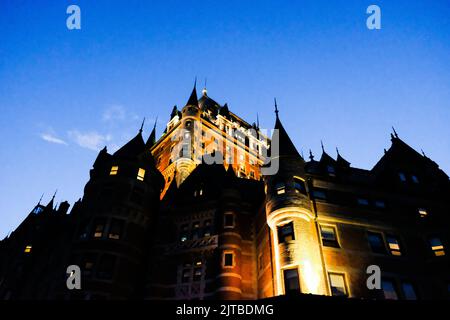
<point>299,185</point>
<point>280,188</point>
<point>114,170</point>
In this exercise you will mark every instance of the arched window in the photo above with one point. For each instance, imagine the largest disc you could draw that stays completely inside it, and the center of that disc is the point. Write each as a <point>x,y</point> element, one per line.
<point>299,185</point>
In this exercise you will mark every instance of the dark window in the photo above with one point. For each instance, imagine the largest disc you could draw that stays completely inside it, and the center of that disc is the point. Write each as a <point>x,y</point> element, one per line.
<point>184,234</point>
<point>186,276</point>
<point>137,196</point>
<point>363,202</point>
<point>196,230</point>
<point>330,170</point>
<point>99,227</point>
<point>380,204</point>
<point>197,273</point>
<point>376,242</point>
<point>291,281</point>
<point>207,228</point>
<point>337,284</point>
<point>402,176</point>
<point>299,186</point>
<point>116,229</point>
<point>408,291</point>
<point>389,290</point>
<point>228,260</point>
<point>318,194</point>
<point>415,179</point>
<point>228,219</point>
<point>329,238</point>
<point>286,233</point>
<point>106,267</point>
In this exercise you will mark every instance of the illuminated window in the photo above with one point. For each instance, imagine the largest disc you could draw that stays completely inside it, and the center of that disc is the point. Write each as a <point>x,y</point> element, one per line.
<point>141,174</point>
<point>87,264</point>
<point>286,233</point>
<point>28,249</point>
<point>337,284</point>
<point>408,291</point>
<point>99,227</point>
<point>402,176</point>
<point>389,290</point>
<point>376,242</point>
<point>299,186</point>
<point>329,238</point>
<point>280,188</point>
<point>436,246</point>
<point>291,281</point>
<point>394,246</point>
<point>228,258</point>
<point>198,271</point>
<point>422,213</point>
<point>114,170</point>
<point>228,221</point>
<point>115,230</point>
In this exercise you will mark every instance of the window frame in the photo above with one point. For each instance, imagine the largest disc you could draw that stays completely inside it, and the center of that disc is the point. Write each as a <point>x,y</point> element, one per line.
<point>344,277</point>
<point>330,243</point>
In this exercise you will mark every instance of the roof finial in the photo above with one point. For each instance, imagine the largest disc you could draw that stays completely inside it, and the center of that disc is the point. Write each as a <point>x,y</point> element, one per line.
<point>54,195</point>
<point>142,125</point>
<point>321,144</point>
<point>395,132</point>
<point>40,199</point>
<point>205,91</point>
<point>311,156</point>
<point>423,153</point>
<point>195,82</point>
<point>337,151</point>
<point>276,106</point>
<point>257,120</point>
<point>156,120</point>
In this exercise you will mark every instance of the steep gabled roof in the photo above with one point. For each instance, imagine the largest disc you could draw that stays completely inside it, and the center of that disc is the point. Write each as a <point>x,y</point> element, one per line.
<point>132,148</point>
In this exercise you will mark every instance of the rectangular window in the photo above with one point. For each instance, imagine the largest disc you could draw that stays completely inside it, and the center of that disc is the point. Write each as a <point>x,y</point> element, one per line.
<point>99,227</point>
<point>228,259</point>
<point>196,230</point>
<point>299,186</point>
<point>389,290</point>
<point>106,267</point>
<point>376,242</point>
<point>402,176</point>
<point>422,212</point>
<point>115,230</point>
<point>141,174</point>
<point>197,273</point>
<point>286,233</point>
<point>337,284</point>
<point>363,202</point>
<point>329,238</point>
<point>380,204</point>
<point>280,188</point>
<point>207,228</point>
<point>114,170</point>
<point>87,264</point>
<point>184,233</point>
<point>436,246</point>
<point>318,194</point>
<point>408,291</point>
<point>228,220</point>
<point>291,281</point>
<point>415,179</point>
<point>28,249</point>
<point>394,245</point>
<point>186,276</point>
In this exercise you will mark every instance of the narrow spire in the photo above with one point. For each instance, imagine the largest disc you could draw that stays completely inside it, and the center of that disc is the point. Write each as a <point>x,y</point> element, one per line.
<point>276,106</point>
<point>205,91</point>
<point>311,156</point>
<point>321,144</point>
<point>193,101</point>
<point>423,153</point>
<point>395,132</point>
<point>54,195</point>
<point>257,120</point>
<point>142,125</point>
<point>40,199</point>
<point>152,138</point>
<point>337,151</point>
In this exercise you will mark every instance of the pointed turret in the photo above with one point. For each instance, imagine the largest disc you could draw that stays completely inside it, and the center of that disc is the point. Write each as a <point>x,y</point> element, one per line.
<point>152,138</point>
<point>193,100</point>
<point>132,148</point>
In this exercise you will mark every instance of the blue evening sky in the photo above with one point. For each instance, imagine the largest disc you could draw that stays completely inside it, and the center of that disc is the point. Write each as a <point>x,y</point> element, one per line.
<point>65,94</point>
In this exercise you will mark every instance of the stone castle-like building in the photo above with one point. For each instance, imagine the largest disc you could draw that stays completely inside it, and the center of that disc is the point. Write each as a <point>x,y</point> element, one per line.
<point>193,215</point>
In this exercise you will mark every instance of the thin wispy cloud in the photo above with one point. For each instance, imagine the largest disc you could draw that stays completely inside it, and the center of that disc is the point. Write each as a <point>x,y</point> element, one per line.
<point>114,113</point>
<point>52,138</point>
<point>90,140</point>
